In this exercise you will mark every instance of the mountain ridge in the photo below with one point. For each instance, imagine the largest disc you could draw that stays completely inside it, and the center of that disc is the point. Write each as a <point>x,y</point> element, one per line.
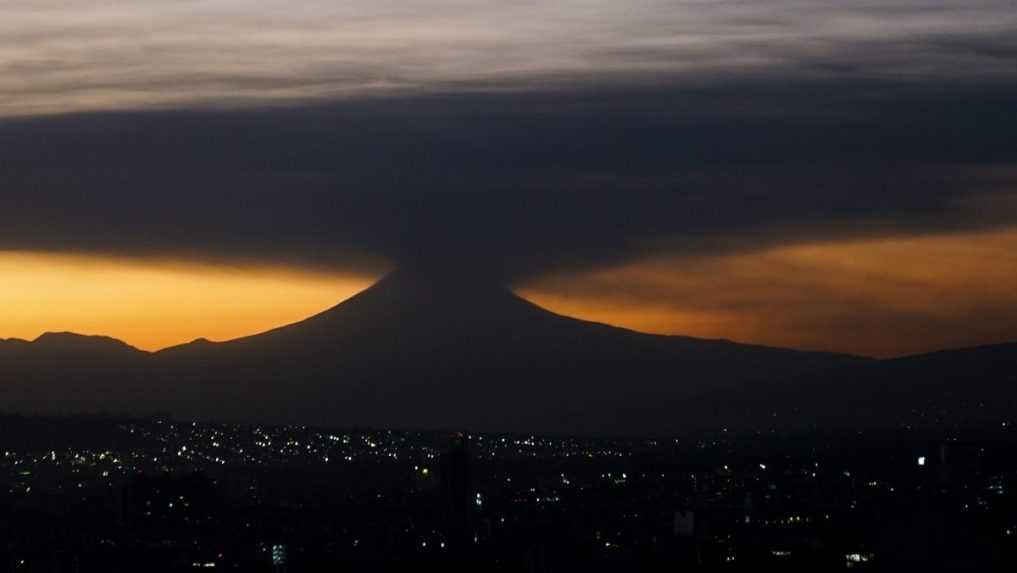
<point>424,352</point>
<point>505,292</point>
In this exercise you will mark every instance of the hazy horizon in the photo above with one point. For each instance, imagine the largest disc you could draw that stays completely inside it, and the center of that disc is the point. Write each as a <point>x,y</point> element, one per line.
<point>203,301</point>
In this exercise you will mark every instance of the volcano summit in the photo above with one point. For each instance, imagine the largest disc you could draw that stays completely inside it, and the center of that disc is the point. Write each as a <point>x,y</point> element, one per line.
<point>420,351</point>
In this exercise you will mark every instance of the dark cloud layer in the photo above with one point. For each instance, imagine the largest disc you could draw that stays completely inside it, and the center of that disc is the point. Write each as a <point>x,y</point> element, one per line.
<point>519,182</point>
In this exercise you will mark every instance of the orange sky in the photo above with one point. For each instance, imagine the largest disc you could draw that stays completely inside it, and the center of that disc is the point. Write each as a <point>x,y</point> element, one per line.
<point>156,304</point>
<point>878,297</point>
<point>882,298</point>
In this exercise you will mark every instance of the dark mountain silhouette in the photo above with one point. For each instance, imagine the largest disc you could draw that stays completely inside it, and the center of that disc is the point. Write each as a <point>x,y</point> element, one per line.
<point>952,386</point>
<point>421,351</point>
<point>67,342</point>
<point>70,373</point>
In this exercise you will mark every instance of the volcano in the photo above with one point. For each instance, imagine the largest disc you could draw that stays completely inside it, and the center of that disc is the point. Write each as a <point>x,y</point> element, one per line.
<point>437,352</point>
<point>423,351</point>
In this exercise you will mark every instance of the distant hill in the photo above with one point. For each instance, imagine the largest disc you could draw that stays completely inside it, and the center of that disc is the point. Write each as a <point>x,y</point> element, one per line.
<point>424,352</point>
<point>70,373</point>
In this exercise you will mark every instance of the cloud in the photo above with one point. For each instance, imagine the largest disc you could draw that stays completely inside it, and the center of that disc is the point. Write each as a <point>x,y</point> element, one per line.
<point>682,156</point>
<point>509,138</point>
<point>518,183</point>
<point>57,57</point>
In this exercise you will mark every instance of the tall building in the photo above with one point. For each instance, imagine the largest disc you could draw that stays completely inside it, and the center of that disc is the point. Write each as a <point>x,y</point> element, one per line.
<point>455,474</point>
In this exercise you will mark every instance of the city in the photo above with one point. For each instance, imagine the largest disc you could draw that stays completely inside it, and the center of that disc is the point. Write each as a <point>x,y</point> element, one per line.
<point>508,286</point>
<point>177,496</point>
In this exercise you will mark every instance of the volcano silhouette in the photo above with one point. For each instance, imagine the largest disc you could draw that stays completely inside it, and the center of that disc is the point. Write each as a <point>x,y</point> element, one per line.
<point>426,351</point>
<point>418,350</point>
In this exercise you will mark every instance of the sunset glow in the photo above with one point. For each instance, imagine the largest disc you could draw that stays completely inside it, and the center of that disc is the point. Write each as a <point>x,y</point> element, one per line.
<point>153,305</point>
<point>877,297</point>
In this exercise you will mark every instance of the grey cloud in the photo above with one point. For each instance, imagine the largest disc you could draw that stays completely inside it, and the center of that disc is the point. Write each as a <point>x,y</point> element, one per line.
<point>518,183</point>
<point>112,55</point>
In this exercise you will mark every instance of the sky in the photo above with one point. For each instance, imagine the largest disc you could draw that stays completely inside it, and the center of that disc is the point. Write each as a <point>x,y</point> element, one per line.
<point>835,175</point>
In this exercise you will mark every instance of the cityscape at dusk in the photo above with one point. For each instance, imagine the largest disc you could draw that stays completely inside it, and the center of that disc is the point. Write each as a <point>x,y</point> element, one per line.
<point>179,496</point>
<point>507,285</point>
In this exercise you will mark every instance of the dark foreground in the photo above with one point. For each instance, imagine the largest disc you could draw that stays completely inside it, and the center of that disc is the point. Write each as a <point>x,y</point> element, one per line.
<point>98,494</point>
